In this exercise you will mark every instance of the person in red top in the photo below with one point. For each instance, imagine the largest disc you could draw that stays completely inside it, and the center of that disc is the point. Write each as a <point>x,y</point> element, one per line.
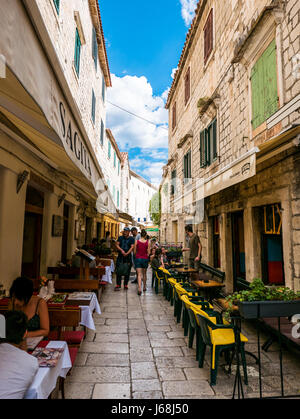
<point>142,252</point>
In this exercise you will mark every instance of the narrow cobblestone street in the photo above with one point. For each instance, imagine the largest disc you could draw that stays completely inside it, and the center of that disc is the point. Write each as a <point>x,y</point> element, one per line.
<point>139,352</point>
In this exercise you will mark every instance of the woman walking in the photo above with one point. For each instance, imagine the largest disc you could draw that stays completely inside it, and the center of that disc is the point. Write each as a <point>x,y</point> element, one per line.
<point>142,252</point>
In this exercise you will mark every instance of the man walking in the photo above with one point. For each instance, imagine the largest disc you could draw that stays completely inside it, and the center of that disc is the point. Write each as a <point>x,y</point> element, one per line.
<point>195,248</point>
<point>124,245</point>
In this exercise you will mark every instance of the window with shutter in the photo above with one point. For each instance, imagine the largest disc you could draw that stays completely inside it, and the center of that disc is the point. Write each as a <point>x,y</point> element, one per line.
<point>95,48</point>
<point>109,149</point>
<point>174,122</point>
<point>202,149</point>
<point>173,182</point>
<point>77,52</point>
<point>187,167</point>
<point>187,86</point>
<point>57,5</point>
<point>208,36</point>
<point>93,106</point>
<point>103,89</point>
<point>208,145</point>
<point>102,133</point>
<point>264,86</point>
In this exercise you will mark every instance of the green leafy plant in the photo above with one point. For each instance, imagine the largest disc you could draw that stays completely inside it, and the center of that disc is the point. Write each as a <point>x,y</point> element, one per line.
<point>260,292</point>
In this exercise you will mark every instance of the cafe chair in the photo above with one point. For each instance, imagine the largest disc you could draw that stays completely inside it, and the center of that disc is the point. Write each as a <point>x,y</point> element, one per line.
<point>219,337</point>
<point>159,277</point>
<point>61,319</point>
<point>179,290</point>
<point>188,302</point>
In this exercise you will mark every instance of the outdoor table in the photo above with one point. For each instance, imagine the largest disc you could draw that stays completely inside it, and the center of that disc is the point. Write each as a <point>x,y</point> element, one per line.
<point>46,378</point>
<point>208,287</point>
<point>87,312</point>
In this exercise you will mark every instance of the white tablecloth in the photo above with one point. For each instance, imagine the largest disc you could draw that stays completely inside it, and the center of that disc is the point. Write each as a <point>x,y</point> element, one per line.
<point>46,378</point>
<point>87,313</point>
<point>107,277</point>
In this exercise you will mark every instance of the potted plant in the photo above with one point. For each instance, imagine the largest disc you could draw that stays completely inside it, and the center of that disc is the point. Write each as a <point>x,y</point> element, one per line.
<point>265,301</point>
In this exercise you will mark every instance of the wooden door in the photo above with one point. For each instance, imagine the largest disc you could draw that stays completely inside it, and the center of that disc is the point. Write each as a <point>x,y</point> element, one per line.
<point>238,247</point>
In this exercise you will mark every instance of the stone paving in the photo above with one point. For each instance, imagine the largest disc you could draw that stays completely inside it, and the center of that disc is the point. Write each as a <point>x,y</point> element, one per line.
<point>138,351</point>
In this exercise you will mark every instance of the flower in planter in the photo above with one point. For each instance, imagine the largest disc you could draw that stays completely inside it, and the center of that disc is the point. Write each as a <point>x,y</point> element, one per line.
<point>43,281</point>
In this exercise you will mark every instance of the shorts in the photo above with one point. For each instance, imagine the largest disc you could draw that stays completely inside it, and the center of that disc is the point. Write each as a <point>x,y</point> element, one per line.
<point>141,263</point>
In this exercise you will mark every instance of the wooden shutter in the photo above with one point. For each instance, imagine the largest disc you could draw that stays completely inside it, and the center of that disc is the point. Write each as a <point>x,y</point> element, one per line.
<point>208,146</point>
<point>57,5</point>
<point>208,36</point>
<point>174,116</point>
<point>187,86</point>
<point>270,80</point>
<point>214,140</point>
<point>202,149</point>
<point>95,48</point>
<point>103,89</point>
<point>264,86</point>
<point>77,52</point>
<point>93,106</point>
<point>101,132</point>
<point>189,157</point>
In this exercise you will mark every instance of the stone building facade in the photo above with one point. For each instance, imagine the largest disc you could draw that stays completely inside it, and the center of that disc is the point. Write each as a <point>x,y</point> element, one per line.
<point>233,168</point>
<point>52,101</point>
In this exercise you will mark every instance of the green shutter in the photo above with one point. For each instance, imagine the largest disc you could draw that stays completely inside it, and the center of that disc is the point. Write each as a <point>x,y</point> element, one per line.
<point>264,86</point>
<point>202,149</point>
<point>101,132</point>
<point>214,140</point>
<point>77,52</point>
<point>95,48</point>
<point>109,149</point>
<point>270,79</point>
<point>103,88</point>
<point>207,147</point>
<point>93,106</point>
<point>57,5</point>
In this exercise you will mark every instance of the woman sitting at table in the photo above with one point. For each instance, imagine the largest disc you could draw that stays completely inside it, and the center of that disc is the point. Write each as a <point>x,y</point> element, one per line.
<point>35,308</point>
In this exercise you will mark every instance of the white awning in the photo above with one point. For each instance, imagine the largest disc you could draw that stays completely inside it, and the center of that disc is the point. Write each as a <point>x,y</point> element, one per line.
<point>241,169</point>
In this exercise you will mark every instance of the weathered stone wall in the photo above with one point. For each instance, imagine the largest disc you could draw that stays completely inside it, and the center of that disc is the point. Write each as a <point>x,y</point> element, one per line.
<point>61,29</point>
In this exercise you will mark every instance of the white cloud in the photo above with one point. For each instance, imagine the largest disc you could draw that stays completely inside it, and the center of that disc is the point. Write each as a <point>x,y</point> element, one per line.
<point>174,72</point>
<point>135,94</point>
<point>188,10</point>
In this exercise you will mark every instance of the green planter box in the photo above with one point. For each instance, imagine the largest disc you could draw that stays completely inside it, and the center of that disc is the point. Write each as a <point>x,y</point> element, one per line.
<point>253,309</point>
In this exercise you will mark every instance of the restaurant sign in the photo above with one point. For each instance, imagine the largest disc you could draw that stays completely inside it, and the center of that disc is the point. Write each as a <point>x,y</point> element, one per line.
<point>73,141</point>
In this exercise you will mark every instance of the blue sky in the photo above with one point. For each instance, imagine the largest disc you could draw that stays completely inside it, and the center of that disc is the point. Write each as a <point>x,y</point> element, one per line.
<point>144,40</point>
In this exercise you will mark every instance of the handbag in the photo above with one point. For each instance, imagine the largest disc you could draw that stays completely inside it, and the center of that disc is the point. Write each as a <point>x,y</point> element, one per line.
<point>123,268</point>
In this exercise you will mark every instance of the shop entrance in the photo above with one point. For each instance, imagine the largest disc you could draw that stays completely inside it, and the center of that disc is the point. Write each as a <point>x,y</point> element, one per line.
<point>32,237</point>
<point>272,249</point>
<point>238,247</point>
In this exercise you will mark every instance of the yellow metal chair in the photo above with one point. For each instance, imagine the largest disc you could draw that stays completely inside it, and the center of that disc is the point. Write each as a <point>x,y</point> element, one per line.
<point>219,337</point>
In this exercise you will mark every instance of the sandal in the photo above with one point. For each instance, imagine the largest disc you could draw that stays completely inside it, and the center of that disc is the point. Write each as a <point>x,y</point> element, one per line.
<point>139,292</point>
